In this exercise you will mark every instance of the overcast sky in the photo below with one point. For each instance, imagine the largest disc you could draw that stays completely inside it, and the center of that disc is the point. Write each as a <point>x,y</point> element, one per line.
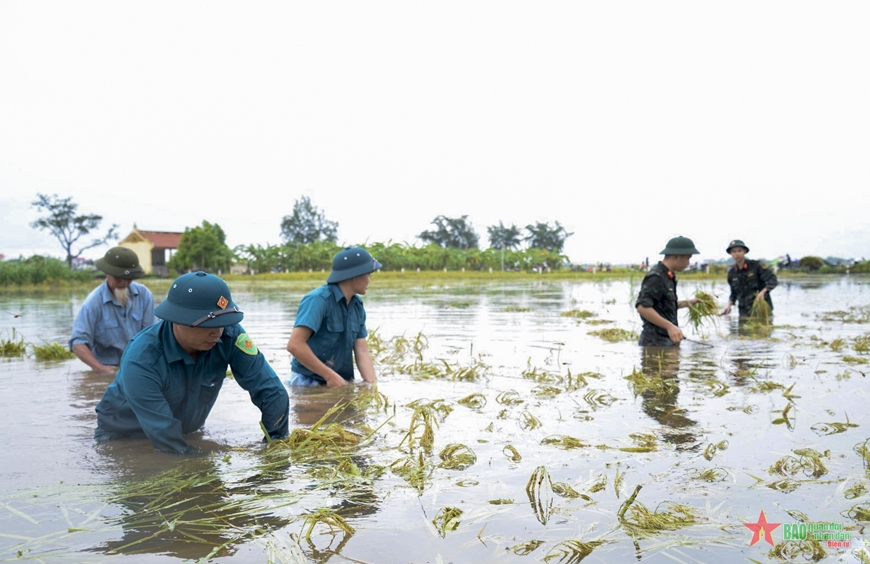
<point>626,122</point>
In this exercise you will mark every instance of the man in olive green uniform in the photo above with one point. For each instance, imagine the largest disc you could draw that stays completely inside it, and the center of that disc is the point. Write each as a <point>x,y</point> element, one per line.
<point>657,301</point>
<point>748,279</point>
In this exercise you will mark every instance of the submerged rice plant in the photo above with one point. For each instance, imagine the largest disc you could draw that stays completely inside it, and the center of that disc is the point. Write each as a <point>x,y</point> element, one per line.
<point>12,348</point>
<point>194,504</point>
<point>579,314</point>
<point>52,351</point>
<point>642,522</point>
<point>807,550</point>
<point>571,551</point>
<point>331,519</point>
<point>473,401</point>
<point>760,312</point>
<point>539,490</point>
<point>416,470</point>
<point>424,420</point>
<point>447,520</point>
<point>563,441</point>
<point>526,548</point>
<point>512,453</point>
<point>457,457</point>
<point>614,334</point>
<point>562,489</point>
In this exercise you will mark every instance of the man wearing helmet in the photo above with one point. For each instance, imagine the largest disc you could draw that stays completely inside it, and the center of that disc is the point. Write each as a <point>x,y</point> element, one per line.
<point>657,301</point>
<point>749,280</point>
<point>171,372</point>
<point>330,327</point>
<point>112,313</point>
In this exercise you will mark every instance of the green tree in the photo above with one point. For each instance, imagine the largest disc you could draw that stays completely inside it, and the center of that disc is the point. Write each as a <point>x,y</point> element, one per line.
<point>61,221</point>
<point>394,256</point>
<point>451,232</point>
<point>501,237</point>
<point>202,248</point>
<point>543,236</point>
<point>811,263</point>
<point>307,224</point>
<point>262,259</point>
<point>313,256</point>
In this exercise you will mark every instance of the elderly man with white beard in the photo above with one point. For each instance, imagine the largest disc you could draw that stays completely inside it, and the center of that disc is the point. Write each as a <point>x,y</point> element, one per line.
<point>112,313</point>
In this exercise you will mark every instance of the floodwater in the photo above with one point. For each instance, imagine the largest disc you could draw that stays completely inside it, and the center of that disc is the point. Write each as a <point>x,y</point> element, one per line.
<point>538,434</point>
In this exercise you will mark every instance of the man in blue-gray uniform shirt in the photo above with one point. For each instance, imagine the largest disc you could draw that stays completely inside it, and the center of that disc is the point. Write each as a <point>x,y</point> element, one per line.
<point>172,372</point>
<point>330,328</point>
<point>112,313</point>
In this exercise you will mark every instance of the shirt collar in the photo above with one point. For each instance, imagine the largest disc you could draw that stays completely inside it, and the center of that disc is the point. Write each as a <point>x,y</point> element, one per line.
<point>338,295</point>
<point>171,349</point>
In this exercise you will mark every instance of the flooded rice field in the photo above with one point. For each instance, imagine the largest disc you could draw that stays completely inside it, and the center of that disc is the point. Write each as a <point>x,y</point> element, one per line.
<point>512,422</point>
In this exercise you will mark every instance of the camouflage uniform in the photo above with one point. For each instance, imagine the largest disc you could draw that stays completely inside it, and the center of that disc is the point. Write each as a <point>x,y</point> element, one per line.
<point>658,291</point>
<point>747,282</point>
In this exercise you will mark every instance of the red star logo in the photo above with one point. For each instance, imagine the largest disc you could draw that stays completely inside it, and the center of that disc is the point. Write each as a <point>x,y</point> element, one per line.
<point>761,527</point>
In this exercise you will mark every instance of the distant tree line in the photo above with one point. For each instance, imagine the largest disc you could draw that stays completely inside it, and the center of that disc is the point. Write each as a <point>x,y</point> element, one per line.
<point>310,240</point>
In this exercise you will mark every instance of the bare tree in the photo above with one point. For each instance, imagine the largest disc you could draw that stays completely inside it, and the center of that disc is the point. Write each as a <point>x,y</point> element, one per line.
<point>61,221</point>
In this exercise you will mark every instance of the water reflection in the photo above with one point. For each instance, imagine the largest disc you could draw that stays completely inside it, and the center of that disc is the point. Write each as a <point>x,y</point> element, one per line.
<point>660,400</point>
<point>746,328</point>
<point>308,405</point>
<point>191,511</point>
<point>209,506</point>
<point>338,476</point>
<point>330,498</point>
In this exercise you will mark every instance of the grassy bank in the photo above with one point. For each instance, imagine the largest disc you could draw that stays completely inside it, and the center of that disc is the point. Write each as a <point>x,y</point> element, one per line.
<point>48,277</point>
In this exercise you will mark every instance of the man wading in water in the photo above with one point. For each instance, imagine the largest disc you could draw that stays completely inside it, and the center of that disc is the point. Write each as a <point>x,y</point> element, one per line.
<point>657,302</point>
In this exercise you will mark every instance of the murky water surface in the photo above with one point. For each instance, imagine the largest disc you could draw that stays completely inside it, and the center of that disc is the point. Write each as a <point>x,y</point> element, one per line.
<point>508,434</point>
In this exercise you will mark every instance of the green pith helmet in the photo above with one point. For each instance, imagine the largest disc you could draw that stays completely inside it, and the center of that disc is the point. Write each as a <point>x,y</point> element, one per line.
<point>736,243</point>
<point>680,246</point>
<point>199,299</point>
<point>121,262</point>
<point>350,263</point>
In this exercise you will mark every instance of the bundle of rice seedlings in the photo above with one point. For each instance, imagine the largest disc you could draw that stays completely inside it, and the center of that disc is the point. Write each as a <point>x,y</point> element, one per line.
<point>704,309</point>
<point>760,312</point>
<point>52,351</point>
<point>12,348</point>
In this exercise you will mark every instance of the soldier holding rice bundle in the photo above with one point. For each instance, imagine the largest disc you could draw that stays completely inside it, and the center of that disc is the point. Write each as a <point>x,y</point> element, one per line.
<point>748,279</point>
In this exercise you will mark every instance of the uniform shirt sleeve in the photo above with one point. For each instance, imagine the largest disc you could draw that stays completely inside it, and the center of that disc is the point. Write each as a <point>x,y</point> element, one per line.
<point>311,312</point>
<point>83,326</point>
<point>143,388</point>
<point>733,283</point>
<point>652,290</point>
<point>362,331</point>
<point>255,375</point>
<point>768,277</point>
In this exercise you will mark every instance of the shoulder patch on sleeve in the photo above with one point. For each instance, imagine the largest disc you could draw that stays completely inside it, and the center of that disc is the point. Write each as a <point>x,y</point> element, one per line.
<point>245,344</point>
